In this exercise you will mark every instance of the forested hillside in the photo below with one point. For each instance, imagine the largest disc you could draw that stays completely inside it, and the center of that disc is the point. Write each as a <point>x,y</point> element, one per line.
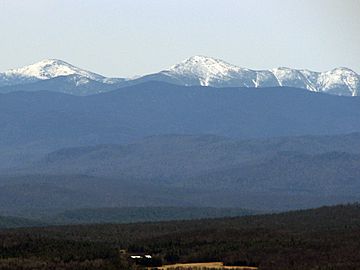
<point>323,238</point>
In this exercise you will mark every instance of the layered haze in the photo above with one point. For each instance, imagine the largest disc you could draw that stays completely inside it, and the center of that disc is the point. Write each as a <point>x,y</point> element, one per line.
<point>123,111</point>
<point>159,144</point>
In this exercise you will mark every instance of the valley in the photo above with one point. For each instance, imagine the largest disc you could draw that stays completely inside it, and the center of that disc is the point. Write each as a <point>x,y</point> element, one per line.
<point>180,135</point>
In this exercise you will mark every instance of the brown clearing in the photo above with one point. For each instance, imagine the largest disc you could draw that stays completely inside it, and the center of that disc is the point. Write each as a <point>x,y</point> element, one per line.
<point>218,265</point>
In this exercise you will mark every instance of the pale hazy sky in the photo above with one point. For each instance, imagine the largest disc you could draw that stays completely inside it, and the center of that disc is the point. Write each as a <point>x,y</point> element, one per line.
<point>130,37</point>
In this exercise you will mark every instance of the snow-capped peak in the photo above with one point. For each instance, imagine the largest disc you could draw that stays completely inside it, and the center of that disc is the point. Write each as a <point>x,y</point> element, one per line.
<point>333,81</point>
<point>201,64</point>
<point>196,70</point>
<point>51,68</point>
<point>206,69</point>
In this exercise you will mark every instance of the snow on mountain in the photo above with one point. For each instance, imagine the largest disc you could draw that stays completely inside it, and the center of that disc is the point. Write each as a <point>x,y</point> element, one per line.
<point>51,68</point>
<point>339,79</point>
<point>43,70</point>
<point>196,70</point>
<point>206,71</point>
<point>292,77</point>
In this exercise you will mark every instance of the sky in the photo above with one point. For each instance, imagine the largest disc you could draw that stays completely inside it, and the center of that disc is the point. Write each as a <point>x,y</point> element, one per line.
<point>124,38</point>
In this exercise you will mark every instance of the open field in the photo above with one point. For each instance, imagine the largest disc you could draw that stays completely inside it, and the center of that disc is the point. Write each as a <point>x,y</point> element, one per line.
<point>203,266</point>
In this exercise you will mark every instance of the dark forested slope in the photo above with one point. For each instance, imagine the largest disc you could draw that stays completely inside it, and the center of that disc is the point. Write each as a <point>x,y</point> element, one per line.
<point>323,238</point>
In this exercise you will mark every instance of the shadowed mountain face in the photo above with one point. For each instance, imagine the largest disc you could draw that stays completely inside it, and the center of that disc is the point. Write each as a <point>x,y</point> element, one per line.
<point>36,123</point>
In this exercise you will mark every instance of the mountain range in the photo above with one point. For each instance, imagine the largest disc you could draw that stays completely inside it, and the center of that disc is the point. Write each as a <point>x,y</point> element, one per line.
<point>35,123</point>
<point>202,133</point>
<point>160,144</point>
<point>60,76</point>
<point>188,171</point>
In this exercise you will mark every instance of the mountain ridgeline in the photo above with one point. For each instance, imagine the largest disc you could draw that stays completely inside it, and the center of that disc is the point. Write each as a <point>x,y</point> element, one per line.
<point>16,222</point>
<point>188,171</point>
<point>194,71</point>
<point>120,215</point>
<point>34,124</point>
<point>159,144</point>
